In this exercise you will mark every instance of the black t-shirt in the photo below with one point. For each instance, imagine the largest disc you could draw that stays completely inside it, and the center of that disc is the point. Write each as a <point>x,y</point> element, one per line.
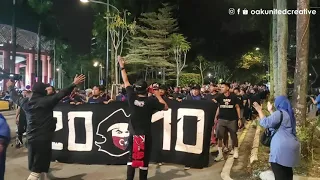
<point>245,97</point>
<point>264,94</point>
<point>178,95</point>
<point>76,98</point>
<point>240,101</point>
<point>98,100</point>
<point>254,98</point>
<point>211,96</point>
<point>142,109</point>
<point>227,107</point>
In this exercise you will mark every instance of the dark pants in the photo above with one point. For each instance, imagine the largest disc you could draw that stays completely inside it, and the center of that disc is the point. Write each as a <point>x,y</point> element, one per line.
<point>246,113</point>
<point>228,126</point>
<point>143,171</point>
<point>21,128</point>
<point>39,156</point>
<point>3,157</point>
<point>282,172</point>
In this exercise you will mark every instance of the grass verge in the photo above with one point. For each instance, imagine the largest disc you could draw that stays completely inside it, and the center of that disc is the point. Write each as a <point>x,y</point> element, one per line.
<point>310,168</point>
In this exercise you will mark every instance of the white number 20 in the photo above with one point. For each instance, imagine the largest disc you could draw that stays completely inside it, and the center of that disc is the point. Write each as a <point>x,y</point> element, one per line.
<point>72,145</point>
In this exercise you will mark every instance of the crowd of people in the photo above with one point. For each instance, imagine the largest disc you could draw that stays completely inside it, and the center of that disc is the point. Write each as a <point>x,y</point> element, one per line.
<point>237,103</point>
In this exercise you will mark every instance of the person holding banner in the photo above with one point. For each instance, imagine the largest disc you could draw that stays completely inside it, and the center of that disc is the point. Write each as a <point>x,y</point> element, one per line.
<point>142,108</point>
<point>40,123</point>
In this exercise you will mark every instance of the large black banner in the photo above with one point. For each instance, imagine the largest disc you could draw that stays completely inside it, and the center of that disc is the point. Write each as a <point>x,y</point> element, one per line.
<point>97,134</point>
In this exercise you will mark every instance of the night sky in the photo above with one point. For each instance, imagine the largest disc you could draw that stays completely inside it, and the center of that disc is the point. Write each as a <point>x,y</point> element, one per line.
<point>206,23</point>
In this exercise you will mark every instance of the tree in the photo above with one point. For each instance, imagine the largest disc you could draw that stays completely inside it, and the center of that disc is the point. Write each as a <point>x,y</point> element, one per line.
<point>301,70</point>
<point>220,71</point>
<point>202,65</point>
<point>272,55</point>
<point>41,7</point>
<point>282,46</point>
<point>180,48</point>
<point>119,29</point>
<point>250,59</point>
<point>187,79</point>
<point>150,45</point>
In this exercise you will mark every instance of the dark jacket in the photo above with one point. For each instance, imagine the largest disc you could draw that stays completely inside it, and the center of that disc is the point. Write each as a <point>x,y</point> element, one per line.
<point>39,112</point>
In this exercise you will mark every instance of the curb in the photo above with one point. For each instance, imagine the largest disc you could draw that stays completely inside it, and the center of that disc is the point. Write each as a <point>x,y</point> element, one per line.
<point>255,146</point>
<point>225,173</point>
<point>304,178</point>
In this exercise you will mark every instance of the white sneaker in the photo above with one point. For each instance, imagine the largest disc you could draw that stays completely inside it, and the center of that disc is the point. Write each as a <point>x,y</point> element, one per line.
<point>225,149</point>
<point>186,167</point>
<point>231,152</point>
<point>236,154</point>
<point>214,149</point>
<point>159,164</point>
<point>219,157</point>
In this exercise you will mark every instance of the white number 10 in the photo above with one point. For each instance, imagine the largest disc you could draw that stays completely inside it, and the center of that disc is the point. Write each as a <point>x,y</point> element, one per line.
<point>180,146</point>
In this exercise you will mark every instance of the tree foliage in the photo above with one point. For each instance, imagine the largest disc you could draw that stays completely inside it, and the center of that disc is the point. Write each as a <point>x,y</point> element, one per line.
<point>187,79</point>
<point>180,47</point>
<point>150,44</point>
<point>250,59</point>
<point>40,6</point>
<point>220,71</point>
<point>201,66</point>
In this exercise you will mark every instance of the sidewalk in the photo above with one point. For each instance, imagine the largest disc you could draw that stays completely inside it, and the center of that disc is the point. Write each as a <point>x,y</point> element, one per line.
<point>8,113</point>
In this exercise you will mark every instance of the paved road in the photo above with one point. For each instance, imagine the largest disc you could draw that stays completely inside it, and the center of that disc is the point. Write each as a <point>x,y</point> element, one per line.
<point>17,168</point>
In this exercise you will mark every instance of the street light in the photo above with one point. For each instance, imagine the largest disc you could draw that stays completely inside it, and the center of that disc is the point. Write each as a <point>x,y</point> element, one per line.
<point>97,64</point>
<point>57,69</point>
<point>100,2</point>
<point>107,33</point>
<point>209,75</point>
<point>257,49</point>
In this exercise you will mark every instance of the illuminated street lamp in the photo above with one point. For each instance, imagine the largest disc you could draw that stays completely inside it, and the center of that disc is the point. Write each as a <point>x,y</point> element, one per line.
<point>100,2</point>
<point>209,75</point>
<point>57,69</point>
<point>257,49</point>
<point>95,64</point>
<point>107,34</point>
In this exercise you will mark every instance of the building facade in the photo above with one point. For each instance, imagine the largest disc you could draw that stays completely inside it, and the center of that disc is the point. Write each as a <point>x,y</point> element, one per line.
<point>26,56</point>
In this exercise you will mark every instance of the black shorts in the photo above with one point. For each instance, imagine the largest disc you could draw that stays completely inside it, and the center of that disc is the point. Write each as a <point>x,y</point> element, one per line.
<point>226,125</point>
<point>39,156</point>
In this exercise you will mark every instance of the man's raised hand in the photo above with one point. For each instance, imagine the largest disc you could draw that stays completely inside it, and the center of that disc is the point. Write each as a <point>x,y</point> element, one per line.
<point>10,83</point>
<point>121,61</point>
<point>78,79</point>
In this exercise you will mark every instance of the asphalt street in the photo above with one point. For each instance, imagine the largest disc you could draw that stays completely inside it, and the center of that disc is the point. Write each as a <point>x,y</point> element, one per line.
<point>16,168</point>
